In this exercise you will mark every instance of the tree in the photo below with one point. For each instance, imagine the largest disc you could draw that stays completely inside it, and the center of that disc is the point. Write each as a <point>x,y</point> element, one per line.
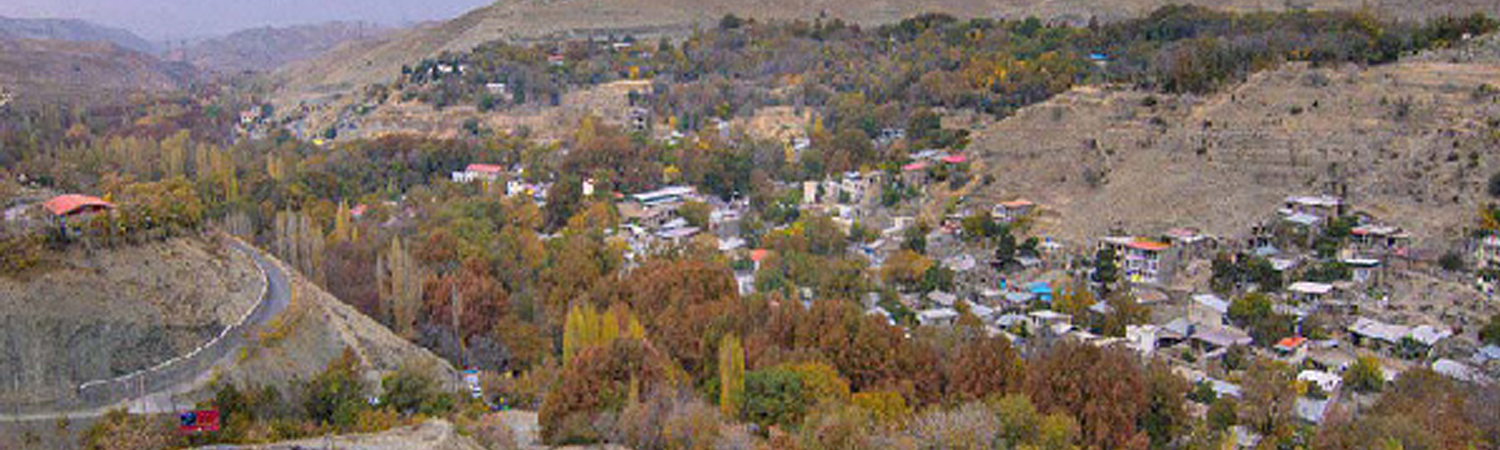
<point>1166,415</point>
<point>602,379</point>
<point>981,367</point>
<point>731,376</point>
<point>774,397</point>
<point>1104,389</point>
<point>1365,375</point>
<point>343,229</point>
<point>696,213</point>
<point>336,395</point>
<point>400,280</point>
<point>1269,395</point>
<point>1106,268</point>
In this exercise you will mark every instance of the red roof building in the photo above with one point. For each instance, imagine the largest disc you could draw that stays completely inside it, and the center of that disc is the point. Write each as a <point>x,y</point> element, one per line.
<point>75,204</point>
<point>955,159</point>
<point>485,168</point>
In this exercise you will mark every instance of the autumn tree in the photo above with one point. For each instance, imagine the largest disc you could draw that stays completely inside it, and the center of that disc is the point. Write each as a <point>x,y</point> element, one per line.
<point>1104,389</point>
<point>731,376</point>
<point>1269,396</point>
<point>401,282</point>
<point>980,367</point>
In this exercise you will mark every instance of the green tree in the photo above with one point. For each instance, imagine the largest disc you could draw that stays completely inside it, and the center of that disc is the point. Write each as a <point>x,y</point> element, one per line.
<point>774,397</point>
<point>1365,375</point>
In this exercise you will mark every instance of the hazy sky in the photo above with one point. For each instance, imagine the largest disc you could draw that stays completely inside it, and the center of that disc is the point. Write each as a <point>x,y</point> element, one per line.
<point>175,19</point>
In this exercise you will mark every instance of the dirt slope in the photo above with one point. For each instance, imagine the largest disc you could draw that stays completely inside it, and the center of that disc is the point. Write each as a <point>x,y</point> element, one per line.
<point>104,313</point>
<point>1409,140</point>
<point>313,331</point>
<point>352,66</point>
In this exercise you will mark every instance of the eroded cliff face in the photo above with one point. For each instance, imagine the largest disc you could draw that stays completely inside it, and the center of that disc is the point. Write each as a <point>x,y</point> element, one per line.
<point>107,312</point>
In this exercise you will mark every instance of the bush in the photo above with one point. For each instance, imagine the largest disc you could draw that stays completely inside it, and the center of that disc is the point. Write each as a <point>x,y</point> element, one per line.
<point>1365,375</point>
<point>1451,261</point>
<point>337,395</point>
<point>412,390</point>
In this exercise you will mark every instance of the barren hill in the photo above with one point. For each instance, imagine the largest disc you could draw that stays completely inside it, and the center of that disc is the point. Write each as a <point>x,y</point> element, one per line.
<point>48,71</point>
<point>364,63</point>
<point>71,30</point>
<point>269,48</point>
<point>1411,142</point>
<point>99,314</point>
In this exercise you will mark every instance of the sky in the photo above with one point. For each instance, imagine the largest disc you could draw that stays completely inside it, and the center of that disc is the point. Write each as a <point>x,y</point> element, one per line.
<point>160,20</point>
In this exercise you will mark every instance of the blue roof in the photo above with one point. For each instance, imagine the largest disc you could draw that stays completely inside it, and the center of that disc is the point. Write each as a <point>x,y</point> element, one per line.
<point>1039,287</point>
<point>1098,56</point>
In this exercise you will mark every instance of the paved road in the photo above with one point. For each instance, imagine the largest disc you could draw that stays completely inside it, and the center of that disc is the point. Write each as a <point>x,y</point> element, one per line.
<point>279,295</point>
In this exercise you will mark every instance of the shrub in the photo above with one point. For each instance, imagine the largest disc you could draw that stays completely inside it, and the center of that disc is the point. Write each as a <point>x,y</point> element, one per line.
<point>336,395</point>
<point>1364,375</point>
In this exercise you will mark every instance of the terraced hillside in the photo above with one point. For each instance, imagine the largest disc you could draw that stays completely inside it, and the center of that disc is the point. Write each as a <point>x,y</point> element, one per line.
<point>1410,142</point>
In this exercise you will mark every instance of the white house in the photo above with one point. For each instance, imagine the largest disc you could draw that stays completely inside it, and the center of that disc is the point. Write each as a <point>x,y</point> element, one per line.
<point>479,172</point>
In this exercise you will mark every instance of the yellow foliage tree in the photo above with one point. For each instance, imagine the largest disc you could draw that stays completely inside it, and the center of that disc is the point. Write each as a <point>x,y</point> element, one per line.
<point>731,376</point>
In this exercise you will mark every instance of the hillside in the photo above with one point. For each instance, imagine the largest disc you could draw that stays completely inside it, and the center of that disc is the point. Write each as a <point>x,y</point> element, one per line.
<point>50,71</point>
<point>269,48</point>
<point>99,314</point>
<point>352,66</point>
<point>1409,141</point>
<point>313,331</point>
<point>72,30</point>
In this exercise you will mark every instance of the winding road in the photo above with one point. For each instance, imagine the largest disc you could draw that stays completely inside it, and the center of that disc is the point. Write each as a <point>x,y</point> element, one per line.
<point>278,296</point>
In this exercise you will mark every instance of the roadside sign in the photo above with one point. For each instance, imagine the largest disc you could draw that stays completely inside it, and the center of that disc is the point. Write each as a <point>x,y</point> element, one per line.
<point>198,421</point>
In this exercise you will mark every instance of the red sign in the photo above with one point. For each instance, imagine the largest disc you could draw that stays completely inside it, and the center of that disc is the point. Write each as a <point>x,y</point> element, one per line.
<point>198,421</point>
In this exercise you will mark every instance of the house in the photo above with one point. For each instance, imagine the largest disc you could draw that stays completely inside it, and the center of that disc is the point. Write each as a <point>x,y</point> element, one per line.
<point>1292,349</point>
<point>1208,310</point>
<point>1013,210</point>
<point>1374,237</point>
<point>1310,292</point>
<point>479,172</point>
<point>914,174</point>
<point>1141,260</point>
<point>70,210</point>
<point>1363,270</point>
<point>1040,290</point>
<point>942,298</point>
<point>1374,333</point>
<point>76,206</point>
<point>1219,338</point>
<point>1312,209</point>
<point>1326,381</point>
<point>1192,243</point>
<point>937,316</point>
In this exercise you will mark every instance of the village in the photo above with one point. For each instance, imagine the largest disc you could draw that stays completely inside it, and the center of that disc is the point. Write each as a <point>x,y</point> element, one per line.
<point>1318,284</point>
